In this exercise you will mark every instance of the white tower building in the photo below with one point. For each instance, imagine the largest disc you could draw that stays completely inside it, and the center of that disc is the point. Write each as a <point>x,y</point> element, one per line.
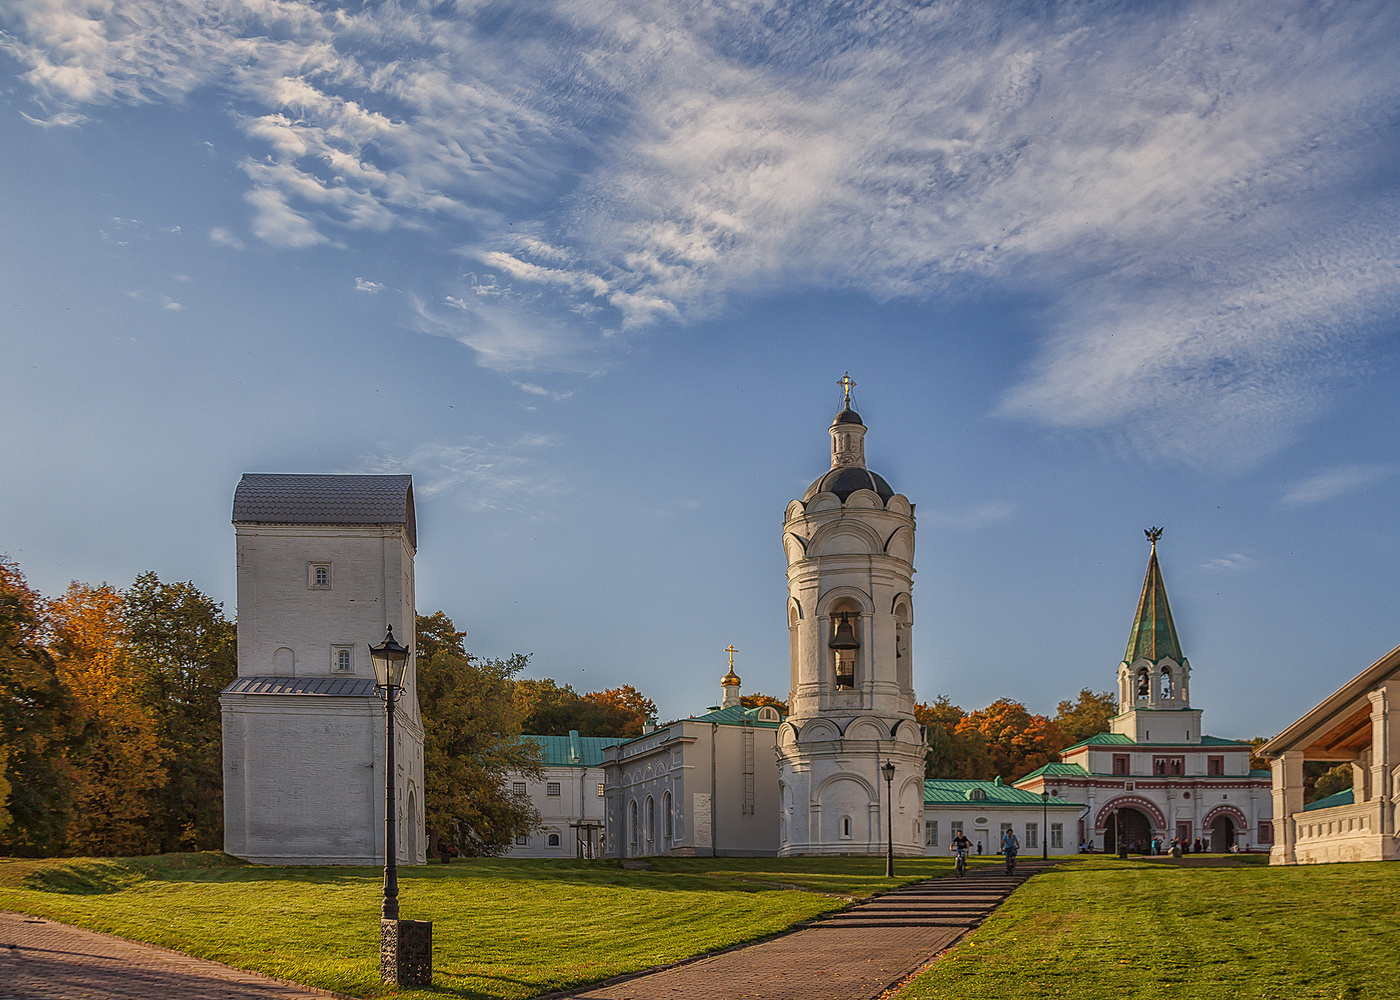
<point>325,564</point>
<point>850,552</point>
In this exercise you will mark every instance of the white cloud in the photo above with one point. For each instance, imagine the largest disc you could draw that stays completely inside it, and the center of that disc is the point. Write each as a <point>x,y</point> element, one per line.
<point>372,287</point>
<point>981,515</point>
<point>221,237</point>
<point>61,119</point>
<point>1235,562</point>
<point>1331,483</point>
<point>171,305</point>
<point>1196,193</point>
<point>481,474</point>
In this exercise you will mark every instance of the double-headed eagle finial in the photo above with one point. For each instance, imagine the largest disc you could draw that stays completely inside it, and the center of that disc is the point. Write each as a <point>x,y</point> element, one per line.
<point>1152,535</point>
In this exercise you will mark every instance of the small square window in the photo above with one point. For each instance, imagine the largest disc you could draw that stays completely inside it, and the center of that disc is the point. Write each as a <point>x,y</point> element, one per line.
<point>551,788</point>
<point>343,660</point>
<point>518,788</point>
<point>600,789</point>
<point>521,840</point>
<point>318,576</point>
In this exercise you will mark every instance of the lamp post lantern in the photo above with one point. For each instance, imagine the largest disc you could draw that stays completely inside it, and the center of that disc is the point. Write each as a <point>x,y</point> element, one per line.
<point>887,769</point>
<point>1044,824</point>
<point>405,946</point>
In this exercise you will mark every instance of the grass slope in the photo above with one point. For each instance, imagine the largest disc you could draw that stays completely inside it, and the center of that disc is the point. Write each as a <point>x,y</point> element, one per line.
<point>501,928</point>
<point>1146,929</point>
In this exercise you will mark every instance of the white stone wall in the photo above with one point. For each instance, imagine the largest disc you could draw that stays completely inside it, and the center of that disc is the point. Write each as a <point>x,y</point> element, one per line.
<point>984,824</point>
<point>304,775</point>
<point>578,801</point>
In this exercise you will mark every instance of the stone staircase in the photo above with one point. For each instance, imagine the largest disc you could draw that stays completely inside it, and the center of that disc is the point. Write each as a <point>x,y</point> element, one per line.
<point>941,902</point>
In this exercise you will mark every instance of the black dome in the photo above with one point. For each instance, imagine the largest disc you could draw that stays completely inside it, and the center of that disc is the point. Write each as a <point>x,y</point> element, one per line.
<point>844,482</point>
<point>848,416</point>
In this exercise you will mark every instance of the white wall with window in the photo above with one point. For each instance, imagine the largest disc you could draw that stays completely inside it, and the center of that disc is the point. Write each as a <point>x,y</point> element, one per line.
<point>568,797</point>
<point>984,810</point>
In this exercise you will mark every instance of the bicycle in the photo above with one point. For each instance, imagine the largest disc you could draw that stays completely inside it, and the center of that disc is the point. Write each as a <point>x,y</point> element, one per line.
<point>960,865</point>
<point>1010,863</point>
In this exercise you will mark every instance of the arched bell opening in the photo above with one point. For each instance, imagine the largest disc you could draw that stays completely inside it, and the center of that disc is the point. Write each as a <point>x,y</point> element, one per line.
<point>844,645</point>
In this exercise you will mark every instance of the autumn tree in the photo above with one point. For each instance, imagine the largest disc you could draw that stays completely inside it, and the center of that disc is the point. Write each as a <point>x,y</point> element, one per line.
<point>1086,716</point>
<point>116,751</point>
<point>36,725</point>
<point>952,753</point>
<point>757,700</point>
<point>472,745</point>
<point>551,709</point>
<point>185,653</point>
<point>620,711</point>
<point>1017,742</point>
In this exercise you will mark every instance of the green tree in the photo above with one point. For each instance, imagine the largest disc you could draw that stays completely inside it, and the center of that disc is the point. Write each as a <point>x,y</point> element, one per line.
<point>435,633</point>
<point>36,726</point>
<point>550,709</point>
<point>1086,716</point>
<point>472,746</point>
<point>1321,780</point>
<point>186,652</point>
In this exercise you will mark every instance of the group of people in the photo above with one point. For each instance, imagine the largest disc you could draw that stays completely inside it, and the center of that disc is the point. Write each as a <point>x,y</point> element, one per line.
<point>1176,847</point>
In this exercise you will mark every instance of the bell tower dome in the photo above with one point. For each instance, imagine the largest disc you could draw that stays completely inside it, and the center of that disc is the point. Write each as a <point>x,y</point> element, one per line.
<point>850,553</point>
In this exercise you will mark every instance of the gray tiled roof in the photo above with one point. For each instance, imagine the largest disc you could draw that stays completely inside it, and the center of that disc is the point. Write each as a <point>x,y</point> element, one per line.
<point>328,687</point>
<point>294,499</point>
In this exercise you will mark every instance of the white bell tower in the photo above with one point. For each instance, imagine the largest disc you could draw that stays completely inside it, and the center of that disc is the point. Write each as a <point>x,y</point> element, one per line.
<point>850,552</point>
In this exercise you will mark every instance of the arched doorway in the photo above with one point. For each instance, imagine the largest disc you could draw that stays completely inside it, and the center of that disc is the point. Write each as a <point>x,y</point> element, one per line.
<point>1137,830</point>
<point>411,833</point>
<point>1222,835</point>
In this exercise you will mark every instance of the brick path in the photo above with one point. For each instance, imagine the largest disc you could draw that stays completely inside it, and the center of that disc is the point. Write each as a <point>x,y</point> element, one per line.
<point>44,960</point>
<point>853,955</point>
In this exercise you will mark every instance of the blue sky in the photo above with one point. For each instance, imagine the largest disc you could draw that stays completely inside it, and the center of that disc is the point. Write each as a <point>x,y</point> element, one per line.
<point>590,271</point>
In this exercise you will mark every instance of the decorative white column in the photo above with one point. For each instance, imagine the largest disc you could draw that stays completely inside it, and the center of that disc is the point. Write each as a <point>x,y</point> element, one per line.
<point>1288,799</point>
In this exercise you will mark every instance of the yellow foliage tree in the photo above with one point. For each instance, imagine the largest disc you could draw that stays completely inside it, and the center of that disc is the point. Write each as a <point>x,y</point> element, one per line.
<point>117,754</point>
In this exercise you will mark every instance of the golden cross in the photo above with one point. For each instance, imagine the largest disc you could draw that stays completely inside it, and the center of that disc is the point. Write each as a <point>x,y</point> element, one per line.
<point>847,383</point>
<point>1152,535</point>
<point>731,651</point>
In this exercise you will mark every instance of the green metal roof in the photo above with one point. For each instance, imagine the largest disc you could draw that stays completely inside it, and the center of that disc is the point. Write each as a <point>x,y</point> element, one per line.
<point>573,750</point>
<point>1120,739</point>
<point>1054,770</point>
<point>1343,798</point>
<point>1260,772</point>
<point>736,715</point>
<point>1154,633</point>
<point>954,791</point>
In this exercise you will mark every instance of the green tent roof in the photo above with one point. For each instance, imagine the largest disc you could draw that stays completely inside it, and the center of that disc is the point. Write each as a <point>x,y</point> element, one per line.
<point>1055,770</point>
<point>1342,798</point>
<point>1154,633</point>
<point>572,750</point>
<point>735,715</point>
<point>954,791</point>
<point>1119,739</point>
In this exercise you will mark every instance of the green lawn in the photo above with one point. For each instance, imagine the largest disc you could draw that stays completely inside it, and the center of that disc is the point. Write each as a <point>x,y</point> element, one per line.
<point>1149,929</point>
<point>501,928</point>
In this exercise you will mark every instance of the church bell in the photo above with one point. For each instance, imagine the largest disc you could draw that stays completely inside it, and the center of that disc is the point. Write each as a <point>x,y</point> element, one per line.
<point>845,637</point>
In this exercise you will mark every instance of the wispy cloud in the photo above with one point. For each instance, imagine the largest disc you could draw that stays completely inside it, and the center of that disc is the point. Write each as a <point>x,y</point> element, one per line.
<point>1198,193</point>
<point>981,515</point>
<point>372,287</point>
<point>62,119</point>
<point>221,237</point>
<point>480,474</point>
<point>1328,484</point>
<point>1235,562</point>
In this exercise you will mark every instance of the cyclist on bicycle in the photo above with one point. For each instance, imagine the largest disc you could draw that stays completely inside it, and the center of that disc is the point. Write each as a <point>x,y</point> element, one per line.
<point>961,845</point>
<point>1010,846</point>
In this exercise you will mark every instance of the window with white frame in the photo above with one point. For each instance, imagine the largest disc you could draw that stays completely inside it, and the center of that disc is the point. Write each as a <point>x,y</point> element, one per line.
<point>318,576</point>
<point>518,788</point>
<point>1057,835</point>
<point>342,659</point>
<point>955,829</point>
<point>666,819</point>
<point>931,833</point>
<point>1032,835</point>
<point>521,840</point>
<point>553,840</point>
<point>551,788</point>
<point>1005,829</point>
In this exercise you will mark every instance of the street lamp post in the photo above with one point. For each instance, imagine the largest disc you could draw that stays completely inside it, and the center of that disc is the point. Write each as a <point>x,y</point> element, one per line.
<point>1044,824</point>
<point>887,769</point>
<point>405,946</point>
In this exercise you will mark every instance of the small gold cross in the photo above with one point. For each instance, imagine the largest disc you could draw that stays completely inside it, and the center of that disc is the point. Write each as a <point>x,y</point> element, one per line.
<point>731,651</point>
<point>847,383</point>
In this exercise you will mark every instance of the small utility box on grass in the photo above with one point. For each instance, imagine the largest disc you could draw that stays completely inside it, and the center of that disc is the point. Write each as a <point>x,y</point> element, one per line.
<point>406,952</point>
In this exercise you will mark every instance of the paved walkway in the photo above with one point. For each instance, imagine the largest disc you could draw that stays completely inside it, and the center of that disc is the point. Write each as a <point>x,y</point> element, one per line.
<point>853,955</point>
<point>44,960</point>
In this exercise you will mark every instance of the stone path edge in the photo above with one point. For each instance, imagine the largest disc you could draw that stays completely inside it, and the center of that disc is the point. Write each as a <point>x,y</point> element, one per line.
<point>182,954</point>
<point>801,925</point>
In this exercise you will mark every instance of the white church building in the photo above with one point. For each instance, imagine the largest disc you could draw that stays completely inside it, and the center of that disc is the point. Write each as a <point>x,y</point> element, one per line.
<point>1155,774</point>
<point>325,565</point>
